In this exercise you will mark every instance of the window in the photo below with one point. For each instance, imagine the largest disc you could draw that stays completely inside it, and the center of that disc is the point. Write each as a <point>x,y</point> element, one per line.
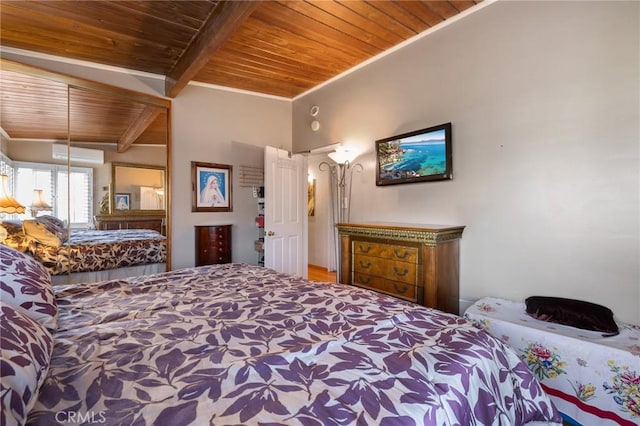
<point>6,168</point>
<point>56,181</point>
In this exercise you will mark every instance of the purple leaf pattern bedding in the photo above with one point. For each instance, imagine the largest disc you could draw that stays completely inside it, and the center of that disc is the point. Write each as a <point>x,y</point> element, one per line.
<point>101,250</point>
<point>241,344</point>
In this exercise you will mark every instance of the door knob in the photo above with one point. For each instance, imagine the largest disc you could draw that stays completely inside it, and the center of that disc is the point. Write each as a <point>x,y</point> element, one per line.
<point>270,234</point>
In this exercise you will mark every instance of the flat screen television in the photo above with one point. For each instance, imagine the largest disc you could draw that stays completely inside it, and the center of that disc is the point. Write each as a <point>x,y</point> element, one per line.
<point>418,156</point>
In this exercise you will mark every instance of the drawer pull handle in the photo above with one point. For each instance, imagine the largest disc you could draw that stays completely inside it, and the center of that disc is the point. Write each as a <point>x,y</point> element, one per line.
<point>399,289</point>
<point>365,266</point>
<point>365,280</point>
<point>399,273</point>
<point>404,256</point>
<point>363,250</point>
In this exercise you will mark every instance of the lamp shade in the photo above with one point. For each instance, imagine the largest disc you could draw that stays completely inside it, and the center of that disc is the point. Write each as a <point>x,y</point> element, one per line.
<point>39,204</point>
<point>343,155</point>
<point>8,204</point>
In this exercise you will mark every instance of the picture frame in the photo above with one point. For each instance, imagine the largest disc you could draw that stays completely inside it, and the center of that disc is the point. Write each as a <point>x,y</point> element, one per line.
<point>311,197</point>
<point>212,187</point>
<point>123,201</point>
<point>418,156</point>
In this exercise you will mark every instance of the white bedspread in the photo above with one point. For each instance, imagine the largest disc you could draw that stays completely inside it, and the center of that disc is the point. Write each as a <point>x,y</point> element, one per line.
<point>593,380</point>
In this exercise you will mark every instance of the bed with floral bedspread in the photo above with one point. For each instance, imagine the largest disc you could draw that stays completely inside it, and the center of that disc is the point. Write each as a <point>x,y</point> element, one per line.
<point>241,344</point>
<point>593,380</point>
<point>95,250</point>
<point>49,241</point>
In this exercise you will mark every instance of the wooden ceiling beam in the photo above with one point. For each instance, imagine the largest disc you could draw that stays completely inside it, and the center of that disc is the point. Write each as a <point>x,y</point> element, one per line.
<point>224,20</point>
<point>139,125</point>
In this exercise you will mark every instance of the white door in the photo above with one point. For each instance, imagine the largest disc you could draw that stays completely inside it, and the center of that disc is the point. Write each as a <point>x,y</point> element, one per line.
<point>285,216</point>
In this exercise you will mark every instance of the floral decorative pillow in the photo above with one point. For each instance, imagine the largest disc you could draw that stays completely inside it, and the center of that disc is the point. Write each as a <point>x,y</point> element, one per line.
<point>15,235</point>
<point>26,352</point>
<point>26,284</point>
<point>41,233</point>
<point>55,226</point>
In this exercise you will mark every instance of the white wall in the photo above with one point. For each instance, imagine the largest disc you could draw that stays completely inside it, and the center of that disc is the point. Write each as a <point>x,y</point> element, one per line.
<point>544,98</point>
<point>217,126</point>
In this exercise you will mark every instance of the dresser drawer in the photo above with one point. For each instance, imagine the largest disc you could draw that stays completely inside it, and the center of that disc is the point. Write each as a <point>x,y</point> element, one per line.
<point>386,251</point>
<point>218,233</point>
<point>395,288</point>
<point>218,242</point>
<point>392,270</point>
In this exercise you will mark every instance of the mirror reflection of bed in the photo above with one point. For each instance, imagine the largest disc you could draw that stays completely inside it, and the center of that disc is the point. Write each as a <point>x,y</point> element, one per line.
<point>124,128</point>
<point>89,255</point>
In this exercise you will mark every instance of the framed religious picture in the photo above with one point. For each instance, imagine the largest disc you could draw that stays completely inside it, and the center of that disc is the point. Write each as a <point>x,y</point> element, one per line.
<point>211,187</point>
<point>123,201</point>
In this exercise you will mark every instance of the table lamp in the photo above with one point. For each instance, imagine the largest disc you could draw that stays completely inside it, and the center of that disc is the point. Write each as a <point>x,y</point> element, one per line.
<point>8,204</point>
<point>39,204</point>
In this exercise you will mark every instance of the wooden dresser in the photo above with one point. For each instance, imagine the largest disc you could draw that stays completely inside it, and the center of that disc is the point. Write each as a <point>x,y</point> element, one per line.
<point>419,263</point>
<point>133,221</point>
<point>213,244</point>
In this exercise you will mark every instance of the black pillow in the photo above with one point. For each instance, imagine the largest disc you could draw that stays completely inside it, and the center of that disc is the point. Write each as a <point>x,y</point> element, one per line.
<point>576,313</point>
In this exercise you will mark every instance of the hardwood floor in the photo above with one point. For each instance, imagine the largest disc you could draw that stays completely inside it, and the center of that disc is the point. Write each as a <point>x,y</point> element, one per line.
<point>318,273</point>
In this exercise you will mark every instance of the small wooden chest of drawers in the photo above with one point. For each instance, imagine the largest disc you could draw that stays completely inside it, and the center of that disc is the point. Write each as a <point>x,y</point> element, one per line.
<point>213,244</point>
<point>388,268</point>
<point>411,262</point>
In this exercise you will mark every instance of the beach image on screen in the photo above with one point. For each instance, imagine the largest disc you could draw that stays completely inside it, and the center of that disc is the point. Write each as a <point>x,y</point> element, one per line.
<point>412,157</point>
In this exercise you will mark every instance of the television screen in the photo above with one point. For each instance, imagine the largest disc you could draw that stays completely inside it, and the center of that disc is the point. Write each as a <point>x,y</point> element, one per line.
<point>418,156</point>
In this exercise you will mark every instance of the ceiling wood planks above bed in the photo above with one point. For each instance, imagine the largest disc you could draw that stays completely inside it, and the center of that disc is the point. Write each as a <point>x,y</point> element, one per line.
<point>281,48</point>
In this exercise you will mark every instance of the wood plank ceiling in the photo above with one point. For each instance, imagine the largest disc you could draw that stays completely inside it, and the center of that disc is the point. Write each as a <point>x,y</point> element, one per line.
<point>280,48</point>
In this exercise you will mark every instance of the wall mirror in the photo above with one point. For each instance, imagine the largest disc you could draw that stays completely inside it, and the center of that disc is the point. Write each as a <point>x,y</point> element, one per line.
<point>42,108</point>
<point>137,188</point>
